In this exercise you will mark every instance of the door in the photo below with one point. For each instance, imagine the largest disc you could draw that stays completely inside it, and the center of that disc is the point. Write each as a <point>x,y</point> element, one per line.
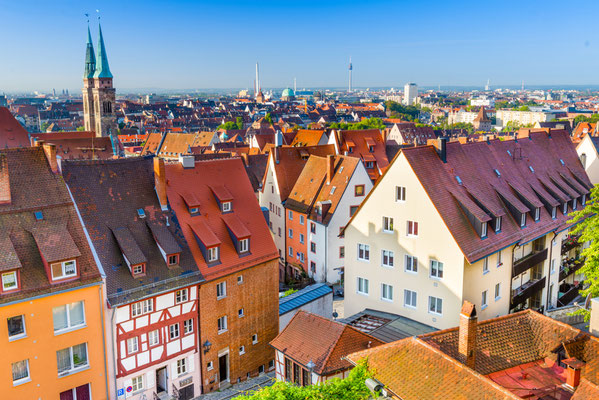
<point>161,384</point>
<point>186,393</point>
<point>223,367</point>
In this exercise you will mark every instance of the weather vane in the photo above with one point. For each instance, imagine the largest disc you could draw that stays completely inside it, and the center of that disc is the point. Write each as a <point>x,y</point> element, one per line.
<point>98,11</point>
<point>87,16</point>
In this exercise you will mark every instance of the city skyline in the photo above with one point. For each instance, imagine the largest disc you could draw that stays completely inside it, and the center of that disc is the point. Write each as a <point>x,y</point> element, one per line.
<point>205,45</point>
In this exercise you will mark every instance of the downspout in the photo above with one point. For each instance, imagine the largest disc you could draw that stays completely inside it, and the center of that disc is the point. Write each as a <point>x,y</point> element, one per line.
<point>549,274</point>
<point>512,278</point>
<point>104,341</point>
<point>200,344</point>
<point>113,350</point>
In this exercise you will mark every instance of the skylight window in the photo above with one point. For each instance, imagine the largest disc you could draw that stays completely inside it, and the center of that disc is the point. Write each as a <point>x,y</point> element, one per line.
<point>509,152</point>
<point>333,189</point>
<point>531,169</point>
<point>457,178</point>
<point>141,213</point>
<point>562,162</point>
<point>497,173</point>
<point>38,215</point>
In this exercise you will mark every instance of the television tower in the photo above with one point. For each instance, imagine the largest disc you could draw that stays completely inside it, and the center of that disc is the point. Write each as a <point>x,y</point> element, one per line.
<point>294,85</point>
<point>350,69</point>
<point>488,85</point>
<point>257,88</point>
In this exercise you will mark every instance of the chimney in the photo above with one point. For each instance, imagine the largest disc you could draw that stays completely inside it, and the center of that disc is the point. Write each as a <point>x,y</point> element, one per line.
<point>467,334</point>
<point>244,157</point>
<point>50,151</point>
<point>186,160</point>
<point>160,182</point>
<point>594,322</point>
<point>330,168</point>
<point>574,366</point>
<point>276,151</point>
<point>442,148</point>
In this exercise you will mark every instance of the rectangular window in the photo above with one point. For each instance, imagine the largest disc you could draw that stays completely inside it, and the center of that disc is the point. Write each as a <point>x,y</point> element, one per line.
<point>213,254</point>
<point>244,245</point>
<point>221,290</point>
<point>435,305</point>
<point>173,331</point>
<point>554,212</point>
<point>359,190</point>
<point>386,292</point>
<point>241,350</point>
<point>301,238</point>
<point>291,233</point>
<point>254,338</point>
<point>574,204</point>
<point>182,366</point>
<point>301,257</point>
<point>290,213</point>
<point>497,224</point>
<point>312,227</point>
<point>137,383</point>
<point>72,358</point>
<point>369,164</point>
<point>288,369</point>
<point>63,270</point>
<point>411,264</point>
<point>552,270</point>
<point>352,210</point>
<point>187,326</point>
<point>20,371</point>
<point>194,210</point>
<point>153,338</point>
<point>313,267</point>
<point>499,259</point>
<point>132,345</point>
<point>538,212</point>
<point>138,269</point>
<point>142,307</point>
<point>290,251</point>
<point>9,281</point>
<point>240,313</point>
<point>363,252</point>
<point>301,219</point>
<point>173,259</point>
<point>240,279</point>
<point>483,231</point>
<point>387,224</point>
<point>485,265</point>
<point>209,366</point>
<point>484,299</point>
<point>436,269</point>
<point>226,206</point>
<point>400,193</point>
<point>409,298</point>
<point>412,229</point>
<point>16,327</point>
<point>222,324</point>
<point>181,296</point>
<point>341,251</point>
<point>279,232</point>
<point>522,220</point>
<point>387,258</point>
<point>362,286</point>
<point>497,291</point>
<point>313,247</point>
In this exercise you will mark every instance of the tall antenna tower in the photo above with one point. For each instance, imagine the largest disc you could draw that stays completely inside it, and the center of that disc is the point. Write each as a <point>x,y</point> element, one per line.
<point>257,88</point>
<point>350,70</point>
<point>294,85</point>
<point>488,85</point>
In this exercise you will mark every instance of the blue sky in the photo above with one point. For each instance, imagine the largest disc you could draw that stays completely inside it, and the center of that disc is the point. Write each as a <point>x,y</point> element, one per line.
<point>215,44</point>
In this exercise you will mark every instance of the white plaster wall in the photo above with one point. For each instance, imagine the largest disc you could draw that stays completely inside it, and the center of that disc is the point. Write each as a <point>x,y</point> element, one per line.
<point>322,306</point>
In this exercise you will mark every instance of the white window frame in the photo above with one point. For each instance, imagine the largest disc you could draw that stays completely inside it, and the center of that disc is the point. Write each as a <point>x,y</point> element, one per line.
<point>209,366</point>
<point>437,266</point>
<point>239,279</point>
<point>63,267</point>
<point>254,338</point>
<point>413,295</point>
<point>386,290</point>
<point>4,281</point>
<point>553,212</point>
<point>226,206</point>
<point>522,220</point>
<point>175,258</point>
<point>182,367</point>
<point>302,238</point>
<point>241,312</point>
<point>154,337</point>
<point>132,345</point>
<point>74,369</point>
<point>387,224</point>
<point>389,256</point>
<point>365,248</point>
<point>69,326</point>
<point>222,288</point>
<point>411,264</point>
<point>290,233</point>
<point>194,210</point>
<point>24,379</point>
<point>222,326</point>
<point>574,204</point>
<point>174,331</point>
<point>485,265</point>
<point>400,194</point>
<point>436,305</point>
<point>142,307</point>
<point>18,335</point>
<point>181,296</point>
<point>213,254</point>
<point>244,245</point>
<point>137,383</point>
<point>290,252</point>
<point>301,219</point>
<point>498,291</point>
<point>484,301</point>
<point>188,326</point>
<point>497,224</point>
<point>414,229</point>
<point>241,350</point>
<point>565,208</point>
<point>483,231</point>
<point>362,284</point>
<point>537,213</point>
<point>138,269</point>
<point>290,215</point>
<point>499,259</point>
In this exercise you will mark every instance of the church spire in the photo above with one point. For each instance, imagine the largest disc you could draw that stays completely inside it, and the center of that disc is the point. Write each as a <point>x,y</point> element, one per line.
<point>90,57</point>
<point>102,69</point>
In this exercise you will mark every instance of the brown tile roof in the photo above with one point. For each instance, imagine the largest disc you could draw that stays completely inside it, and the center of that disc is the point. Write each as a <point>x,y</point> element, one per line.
<point>12,133</point>
<point>8,256</point>
<point>307,137</point>
<point>586,391</point>
<point>152,143</point>
<point>310,337</point>
<point>358,140</point>
<point>475,164</point>
<point>128,245</point>
<point>55,241</point>
<point>164,238</point>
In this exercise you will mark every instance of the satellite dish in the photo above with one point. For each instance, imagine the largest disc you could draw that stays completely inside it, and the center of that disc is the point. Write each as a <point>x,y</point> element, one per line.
<point>335,314</point>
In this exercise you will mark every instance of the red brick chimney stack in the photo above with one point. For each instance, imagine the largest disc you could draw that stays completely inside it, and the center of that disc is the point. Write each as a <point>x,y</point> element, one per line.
<point>50,151</point>
<point>467,334</point>
<point>574,366</point>
<point>160,182</point>
<point>330,168</point>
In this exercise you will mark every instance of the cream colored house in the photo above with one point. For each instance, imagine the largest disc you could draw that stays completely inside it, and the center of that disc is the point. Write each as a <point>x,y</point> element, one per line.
<point>589,156</point>
<point>477,222</point>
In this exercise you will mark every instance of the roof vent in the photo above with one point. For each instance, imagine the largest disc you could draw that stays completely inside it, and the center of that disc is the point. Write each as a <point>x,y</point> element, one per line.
<point>141,213</point>
<point>457,178</point>
<point>497,173</point>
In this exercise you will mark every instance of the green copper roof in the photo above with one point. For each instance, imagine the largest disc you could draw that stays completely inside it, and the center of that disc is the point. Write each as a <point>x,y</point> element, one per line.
<point>288,93</point>
<point>102,69</point>
<point>90,57</point>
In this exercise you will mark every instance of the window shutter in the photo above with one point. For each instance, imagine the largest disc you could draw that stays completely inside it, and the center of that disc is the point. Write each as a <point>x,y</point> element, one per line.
<point>174,370</point>
<point>150,379</point>
<point>190,363</point>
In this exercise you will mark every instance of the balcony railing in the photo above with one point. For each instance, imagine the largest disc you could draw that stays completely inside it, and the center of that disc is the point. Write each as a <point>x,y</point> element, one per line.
<point>570,267</point>
<point>571,242</point>
<point>528,262</point>
<point>526,291</point>
<point>570,295</point>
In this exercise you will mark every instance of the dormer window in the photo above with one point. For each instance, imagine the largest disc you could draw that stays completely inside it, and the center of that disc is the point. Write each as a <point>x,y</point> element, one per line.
<point>369,164</point>
<point>173,259</point>
<point>554,212</point>
<point>483,230</point>
<point>574,204</point>
<point>371,149</point>
<point>565,208</point>
<point>583,200</point>
<point>63,269</point>
<point>350,149</point>
<point>213,254</point>
<point>244,245</point>
<point>138,270</point>
<point>194,210</point>
<point>522,220</point>
<point>497,224</point>
<point>10,281</point>
<point>537,213</point>
<point>226,206</point>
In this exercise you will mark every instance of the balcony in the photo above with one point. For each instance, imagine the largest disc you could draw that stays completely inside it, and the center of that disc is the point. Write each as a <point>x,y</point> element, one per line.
<point>569,267</point>
<point>570,242</point>
<point>569,296</point>
<point>528,262</point>
<point>526,291</point>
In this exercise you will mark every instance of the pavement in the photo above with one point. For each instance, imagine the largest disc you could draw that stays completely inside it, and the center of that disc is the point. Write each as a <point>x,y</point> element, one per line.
<point>241,388</point>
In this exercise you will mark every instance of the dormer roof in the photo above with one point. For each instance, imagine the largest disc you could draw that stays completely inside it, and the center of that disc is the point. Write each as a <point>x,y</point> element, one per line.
<point>8,256</point>
<point>55,242</point>
<point>129,246</point>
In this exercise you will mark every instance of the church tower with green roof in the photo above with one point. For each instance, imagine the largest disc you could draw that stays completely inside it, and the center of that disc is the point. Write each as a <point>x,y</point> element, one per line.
<point>99,97</point>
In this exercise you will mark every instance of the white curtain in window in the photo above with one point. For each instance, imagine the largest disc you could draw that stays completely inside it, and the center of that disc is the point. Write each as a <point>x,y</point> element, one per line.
<point>19,370</point>
<point>76,313</point>
<point>79,355</point>
<point>63,360</point>
<point>60,318</point>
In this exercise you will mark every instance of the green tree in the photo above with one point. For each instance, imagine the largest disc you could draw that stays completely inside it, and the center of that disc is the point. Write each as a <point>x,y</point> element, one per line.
<point>81,129</point>
<point>351,388</point>
<point>588,229</point>
<point>44,126</point>
<point>268,118</point>
<point>502,104</point>
<point>229,125</point>
<point>239,121</point>
<point>397,110</point>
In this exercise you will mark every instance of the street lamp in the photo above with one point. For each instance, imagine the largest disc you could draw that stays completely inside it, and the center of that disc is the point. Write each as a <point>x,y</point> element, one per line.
<point>207,346</point>
<point>310,366</point>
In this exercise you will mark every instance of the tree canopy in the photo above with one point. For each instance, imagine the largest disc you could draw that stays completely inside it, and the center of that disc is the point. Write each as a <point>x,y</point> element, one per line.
<point>368,123</point>
<point>230,125</point>
<point>406,113</point>
<point>351,388</point>
<point>583,118</point>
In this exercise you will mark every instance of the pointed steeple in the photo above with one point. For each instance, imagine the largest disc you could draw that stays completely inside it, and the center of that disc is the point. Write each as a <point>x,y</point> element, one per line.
<point>90,57</point>
<point>102,69</point>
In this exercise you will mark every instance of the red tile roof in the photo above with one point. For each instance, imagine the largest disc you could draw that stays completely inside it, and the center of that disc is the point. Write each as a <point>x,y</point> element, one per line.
<point>310,337</point>
<point>359,141</point>
<point>12,133</point>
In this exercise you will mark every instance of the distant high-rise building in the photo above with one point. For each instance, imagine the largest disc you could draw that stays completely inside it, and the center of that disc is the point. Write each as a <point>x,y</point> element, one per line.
<point>410,92</point>
<point>488,85</point>
<point>350,72</point>
<point>99,96</point>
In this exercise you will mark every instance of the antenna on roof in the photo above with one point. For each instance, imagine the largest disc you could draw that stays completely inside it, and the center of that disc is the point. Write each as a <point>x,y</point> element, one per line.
<point>98,11</point>
<point>87,16</point>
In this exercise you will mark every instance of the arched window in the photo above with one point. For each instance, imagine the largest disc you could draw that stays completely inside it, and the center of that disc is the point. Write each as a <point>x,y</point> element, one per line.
<point>107,107</point>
